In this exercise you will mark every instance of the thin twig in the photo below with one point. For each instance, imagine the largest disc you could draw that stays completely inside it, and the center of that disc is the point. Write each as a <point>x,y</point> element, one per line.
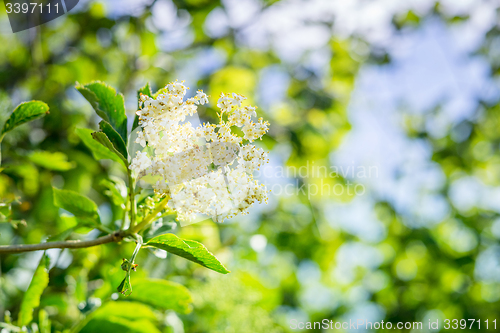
<point>70,244</point>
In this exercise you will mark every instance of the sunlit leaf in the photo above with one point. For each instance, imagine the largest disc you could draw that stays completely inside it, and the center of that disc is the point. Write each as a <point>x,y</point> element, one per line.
<point>44,321</point>
<point>125,286</point>
<point>108,105</point>
<point>188,249</point>
<point>163,294</point>
<point>104,140</point>
<point>32,296</point>
<point>146,90</point>
<point>128,310</point>
<point>118,324</point>
<point>23,113</point>
<point>119,316</point>
<point>159,229</point>
<point>114,137</point>
<point>61,236</point>
<point>5,211</point>
<point>98,151</point>
<point>76,204</point>
<point>113,192</point>
<point>54,161</point>
<point>30,175</point>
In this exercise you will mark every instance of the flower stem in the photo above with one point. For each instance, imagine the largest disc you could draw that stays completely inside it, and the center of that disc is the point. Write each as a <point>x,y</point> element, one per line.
<point>137,248</point>
<point>151,216</point>
<point>131,185</point>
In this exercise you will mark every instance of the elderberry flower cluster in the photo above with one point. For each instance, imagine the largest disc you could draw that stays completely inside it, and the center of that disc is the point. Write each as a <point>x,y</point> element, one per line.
<point>206,169</point>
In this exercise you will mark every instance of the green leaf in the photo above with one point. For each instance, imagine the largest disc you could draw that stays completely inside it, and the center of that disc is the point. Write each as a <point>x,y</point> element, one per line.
<point>125,287</point>
<point>118,324</point>
<point>5,211</point>
<point>188,249</point>
<point>125,309</point>
<point>62,236</point>
<point>44,321</point>
<point>113,192</point>
<point>146,90</point>
<point>23,113</point>
<point>76,204</point>
<point>53,161</point>
<point>98,151</point>
<point>32,296</point>
<point>114,137</point>
<point>107,104</point>
<point>104,140</point>
<point>119,316</point>
<point>6,214</point>
<point>163,294</point>
<point>30,176</point>
<point>158,229</point>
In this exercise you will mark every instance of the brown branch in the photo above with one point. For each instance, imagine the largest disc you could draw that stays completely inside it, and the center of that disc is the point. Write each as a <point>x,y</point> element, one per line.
<point>71,244</point>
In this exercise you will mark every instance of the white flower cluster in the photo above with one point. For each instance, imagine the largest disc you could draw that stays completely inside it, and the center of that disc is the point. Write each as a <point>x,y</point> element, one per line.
<point>205,170</point>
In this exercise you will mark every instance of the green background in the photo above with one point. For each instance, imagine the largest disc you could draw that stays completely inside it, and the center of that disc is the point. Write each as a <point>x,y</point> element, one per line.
<point>303,256</point>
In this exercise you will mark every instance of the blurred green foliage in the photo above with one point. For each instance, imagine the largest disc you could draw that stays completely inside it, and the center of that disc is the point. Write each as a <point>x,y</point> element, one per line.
<point>422,269</point>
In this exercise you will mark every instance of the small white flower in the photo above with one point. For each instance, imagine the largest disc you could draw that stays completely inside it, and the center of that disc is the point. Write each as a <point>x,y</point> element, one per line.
<point>177,88</point>
<point>250,110</point>
<point>238,99</point>
<point>239,118</point>
<point>140,162</point>
<point>225,103</point>
<point>182,156</point>
<point>202,97</point>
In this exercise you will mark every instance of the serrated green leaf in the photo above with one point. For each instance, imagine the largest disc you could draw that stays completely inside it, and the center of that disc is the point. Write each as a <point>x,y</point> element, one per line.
<point>146,90</point>
<point>104,140</point>
<point>188,249</point>
<point>108,105</point>
<point>98,151</point>
<point>114,137</point>
<point>53,161</point>
<point>163,294</point>
<point>32,296</point>
<point>76,204</point>
<point>23,113</point>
